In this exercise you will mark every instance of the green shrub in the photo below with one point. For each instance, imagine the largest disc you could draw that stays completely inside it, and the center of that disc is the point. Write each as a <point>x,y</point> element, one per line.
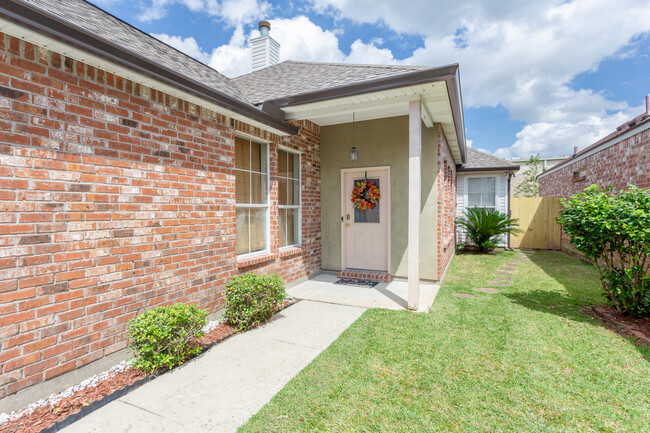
<point>484,226</point>
<point>166,336</point>
<point>253,299</point>
<point>613,232</point>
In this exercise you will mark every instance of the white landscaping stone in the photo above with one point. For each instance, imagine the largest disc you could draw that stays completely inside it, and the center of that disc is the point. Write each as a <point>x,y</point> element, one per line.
<point>221,389</point>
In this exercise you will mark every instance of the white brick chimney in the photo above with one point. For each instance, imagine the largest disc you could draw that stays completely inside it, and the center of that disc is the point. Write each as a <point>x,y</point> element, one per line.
<point>265,51</point>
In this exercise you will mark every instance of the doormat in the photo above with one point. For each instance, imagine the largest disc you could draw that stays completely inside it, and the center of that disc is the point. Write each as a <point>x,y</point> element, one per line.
<point>357,283</point>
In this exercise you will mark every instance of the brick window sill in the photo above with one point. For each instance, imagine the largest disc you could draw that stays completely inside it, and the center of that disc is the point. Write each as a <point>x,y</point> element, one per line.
<point>254,260</point>
<point>290,251</point>
<point>579,179</point>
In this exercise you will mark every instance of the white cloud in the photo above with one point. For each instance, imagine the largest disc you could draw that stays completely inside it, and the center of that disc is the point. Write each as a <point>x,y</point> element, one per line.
<point>559,138</point>
<point>521,55</point>
<point>299,38</point>
<point>233,59</point>
<point>361,52</point>
<point>239,12</point>
<point>234,12</point>
<point>187,45</point>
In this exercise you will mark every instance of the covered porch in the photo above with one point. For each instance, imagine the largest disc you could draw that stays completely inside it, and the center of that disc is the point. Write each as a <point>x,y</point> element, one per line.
<point>397,133</point>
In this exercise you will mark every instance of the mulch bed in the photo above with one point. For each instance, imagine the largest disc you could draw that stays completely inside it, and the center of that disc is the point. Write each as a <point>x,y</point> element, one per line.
<point>82,402</point>
<point>623,325</point>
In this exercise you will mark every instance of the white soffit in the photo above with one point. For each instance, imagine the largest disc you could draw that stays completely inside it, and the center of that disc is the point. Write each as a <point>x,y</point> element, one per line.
<point>436,108</point>
<point>98,62</point>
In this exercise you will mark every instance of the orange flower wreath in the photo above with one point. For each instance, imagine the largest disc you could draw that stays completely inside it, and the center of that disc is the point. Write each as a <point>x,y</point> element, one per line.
<point>365,195</point>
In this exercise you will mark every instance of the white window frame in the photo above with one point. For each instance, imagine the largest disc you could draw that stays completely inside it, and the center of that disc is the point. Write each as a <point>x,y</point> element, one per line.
<point>267,206</point>
<point>299,206</point>
<point>496,191</point>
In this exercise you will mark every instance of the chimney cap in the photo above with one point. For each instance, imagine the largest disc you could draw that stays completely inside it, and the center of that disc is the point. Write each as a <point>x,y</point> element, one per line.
<point>264,24</point>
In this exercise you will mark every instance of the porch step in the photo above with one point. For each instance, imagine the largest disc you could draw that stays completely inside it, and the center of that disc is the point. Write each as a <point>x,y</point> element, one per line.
<point>360,274</point>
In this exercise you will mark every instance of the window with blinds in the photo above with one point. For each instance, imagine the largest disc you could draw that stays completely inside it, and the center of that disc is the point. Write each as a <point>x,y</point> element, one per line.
<point>289,197</point>
<point>481,192</point>
<point>251,194</point>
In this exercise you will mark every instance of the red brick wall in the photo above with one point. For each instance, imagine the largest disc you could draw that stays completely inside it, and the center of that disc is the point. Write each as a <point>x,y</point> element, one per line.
<point>624,163</point>
<point>114,198</point>
<point>446,184</point>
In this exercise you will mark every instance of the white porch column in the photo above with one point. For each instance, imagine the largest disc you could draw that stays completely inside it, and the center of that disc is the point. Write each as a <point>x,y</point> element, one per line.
<point>415,188</point>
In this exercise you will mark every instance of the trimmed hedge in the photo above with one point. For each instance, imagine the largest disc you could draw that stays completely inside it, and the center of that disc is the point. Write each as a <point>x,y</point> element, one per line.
<point>253,299</point>
<point>166,336</point>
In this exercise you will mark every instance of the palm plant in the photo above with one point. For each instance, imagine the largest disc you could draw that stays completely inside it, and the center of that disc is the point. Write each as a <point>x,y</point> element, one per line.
<point>484,226</point>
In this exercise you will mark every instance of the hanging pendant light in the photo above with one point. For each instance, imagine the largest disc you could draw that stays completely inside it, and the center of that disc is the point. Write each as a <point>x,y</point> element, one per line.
<point>353,154</point>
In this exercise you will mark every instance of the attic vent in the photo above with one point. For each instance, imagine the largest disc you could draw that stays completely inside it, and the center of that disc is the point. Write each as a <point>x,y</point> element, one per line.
<point>265,51</point>
<point>579,175</point>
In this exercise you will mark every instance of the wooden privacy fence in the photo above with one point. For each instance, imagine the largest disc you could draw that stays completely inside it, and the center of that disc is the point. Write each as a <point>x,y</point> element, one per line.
<point>537,222</point>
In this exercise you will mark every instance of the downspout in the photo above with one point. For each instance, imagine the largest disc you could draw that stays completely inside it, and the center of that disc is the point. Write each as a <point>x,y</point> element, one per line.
<point>509,213</point>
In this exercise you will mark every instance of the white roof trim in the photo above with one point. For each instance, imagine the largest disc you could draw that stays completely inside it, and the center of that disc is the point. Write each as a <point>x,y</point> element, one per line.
<point>434,99</point>
<point>596,149</point>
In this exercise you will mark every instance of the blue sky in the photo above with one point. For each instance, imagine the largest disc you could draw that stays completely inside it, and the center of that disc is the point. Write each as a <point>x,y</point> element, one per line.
<point>537,77</point>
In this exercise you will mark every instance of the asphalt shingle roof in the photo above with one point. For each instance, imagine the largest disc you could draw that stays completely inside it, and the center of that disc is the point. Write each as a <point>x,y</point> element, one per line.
<point>94,20</point>
<point>477,159</point>
<point>288,78</point>
<point>293,78</point>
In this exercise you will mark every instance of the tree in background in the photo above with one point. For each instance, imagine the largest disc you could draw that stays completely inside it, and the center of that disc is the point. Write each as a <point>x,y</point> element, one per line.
<point>530,187</point>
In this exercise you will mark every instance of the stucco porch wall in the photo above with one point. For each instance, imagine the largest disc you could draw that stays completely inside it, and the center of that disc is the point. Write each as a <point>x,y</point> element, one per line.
<point>381,142</point>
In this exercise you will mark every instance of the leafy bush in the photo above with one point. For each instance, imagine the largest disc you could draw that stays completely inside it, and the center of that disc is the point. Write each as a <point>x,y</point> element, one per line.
<point>484,226</point>
<point>166,336</point>
<point>613,232</point>
<point>253,299</point>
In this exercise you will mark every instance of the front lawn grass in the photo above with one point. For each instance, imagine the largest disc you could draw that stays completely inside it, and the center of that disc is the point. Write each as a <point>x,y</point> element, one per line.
<point>523,360</point>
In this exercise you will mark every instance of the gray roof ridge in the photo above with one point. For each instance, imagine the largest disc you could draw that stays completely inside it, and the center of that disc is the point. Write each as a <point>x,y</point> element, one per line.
<point>491,156</point>
<point>363,65</point>
<point>357,65</point>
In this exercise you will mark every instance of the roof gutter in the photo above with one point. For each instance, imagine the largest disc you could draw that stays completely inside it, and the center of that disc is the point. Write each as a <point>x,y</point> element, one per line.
<point>512,168</point>
<point>449,74</point>
<point>51,26</point>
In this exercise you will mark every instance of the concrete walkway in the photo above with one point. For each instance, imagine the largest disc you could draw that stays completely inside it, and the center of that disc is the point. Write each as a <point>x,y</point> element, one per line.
<point>221,389</point>
<point>391,295</point>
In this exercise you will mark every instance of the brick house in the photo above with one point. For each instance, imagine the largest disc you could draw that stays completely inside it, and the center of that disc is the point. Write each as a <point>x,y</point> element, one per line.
<point>132,176</point>
<point>618,160</point>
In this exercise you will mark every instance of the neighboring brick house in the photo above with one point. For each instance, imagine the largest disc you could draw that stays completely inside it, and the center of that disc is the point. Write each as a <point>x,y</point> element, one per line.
<point>620,159</point>
<point>132,176</point>
<point>484,181</point>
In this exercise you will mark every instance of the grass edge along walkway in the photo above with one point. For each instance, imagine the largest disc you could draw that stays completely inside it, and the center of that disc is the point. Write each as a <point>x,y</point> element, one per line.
<point>524,359</point>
